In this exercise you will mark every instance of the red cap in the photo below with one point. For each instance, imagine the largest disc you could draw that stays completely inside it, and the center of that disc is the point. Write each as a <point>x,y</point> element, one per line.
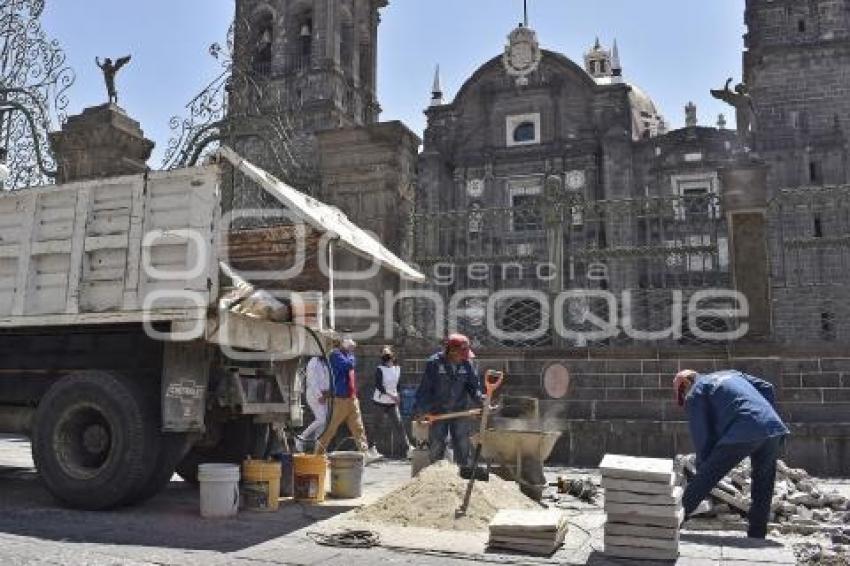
<point>462,342</point>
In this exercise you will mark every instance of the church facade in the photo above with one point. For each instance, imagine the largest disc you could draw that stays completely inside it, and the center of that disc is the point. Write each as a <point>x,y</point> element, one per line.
<point>567,229</point>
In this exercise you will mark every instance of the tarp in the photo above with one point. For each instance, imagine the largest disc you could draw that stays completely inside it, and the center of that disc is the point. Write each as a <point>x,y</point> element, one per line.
<point>323,217</point>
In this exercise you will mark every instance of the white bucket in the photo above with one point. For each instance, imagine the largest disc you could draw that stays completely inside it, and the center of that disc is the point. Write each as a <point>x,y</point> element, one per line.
<point>346,474</point>
<point>219,490</point>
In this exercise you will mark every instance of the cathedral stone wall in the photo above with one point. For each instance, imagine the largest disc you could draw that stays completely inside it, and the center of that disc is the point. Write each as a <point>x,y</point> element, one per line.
<point>797,67</point>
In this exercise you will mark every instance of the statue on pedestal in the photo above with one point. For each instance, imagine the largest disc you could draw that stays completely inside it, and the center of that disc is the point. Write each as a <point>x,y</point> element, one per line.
<point>742,102</point>
<point>111,69</point>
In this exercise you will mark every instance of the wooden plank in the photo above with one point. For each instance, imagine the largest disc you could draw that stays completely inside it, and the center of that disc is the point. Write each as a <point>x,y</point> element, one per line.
<point>52,247</point>
<point>21,281</point>
<point>116,317</point>
<point>11,251</point>
<point>93,243</point>
<point>134,248</point>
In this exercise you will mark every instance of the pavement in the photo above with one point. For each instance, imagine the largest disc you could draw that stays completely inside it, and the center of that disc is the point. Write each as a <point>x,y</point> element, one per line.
<point>168,530</point>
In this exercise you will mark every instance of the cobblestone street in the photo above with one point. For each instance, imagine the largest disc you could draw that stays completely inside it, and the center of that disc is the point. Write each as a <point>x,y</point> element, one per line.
<point>168,531</point>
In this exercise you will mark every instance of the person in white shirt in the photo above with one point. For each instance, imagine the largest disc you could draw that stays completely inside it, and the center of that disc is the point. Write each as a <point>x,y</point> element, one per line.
<point>386,396</point>
<point>318,385</point>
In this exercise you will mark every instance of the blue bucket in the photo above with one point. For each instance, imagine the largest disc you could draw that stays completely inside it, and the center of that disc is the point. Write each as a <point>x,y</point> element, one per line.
<point>408,399</point>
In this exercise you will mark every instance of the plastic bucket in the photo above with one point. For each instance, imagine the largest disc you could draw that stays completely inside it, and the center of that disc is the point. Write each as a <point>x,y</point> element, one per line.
<point>346,474</point>
<point>309,471</point>
<point>219,490</point>
<point>260,485</point>
<point>286,475</point>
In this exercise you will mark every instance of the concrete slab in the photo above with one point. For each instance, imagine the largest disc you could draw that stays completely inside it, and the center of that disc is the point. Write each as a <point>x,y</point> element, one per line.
<point>638,469</point>
<point>643,510</point>
<point>639,486</point>
<point>673,498</point>
<point>647,520</point>
<point>639,553</point>
<point>621,529</point>
<point>671,544</point>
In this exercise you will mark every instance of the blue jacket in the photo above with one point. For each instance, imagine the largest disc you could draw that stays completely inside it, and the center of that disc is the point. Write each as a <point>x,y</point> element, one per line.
<point>341,365</point>
<point>446,388</point>
<point>730,407</point>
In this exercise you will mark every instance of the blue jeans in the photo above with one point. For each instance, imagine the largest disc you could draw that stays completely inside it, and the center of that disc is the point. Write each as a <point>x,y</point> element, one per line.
<point>459,429</point>
<point>721,460</point>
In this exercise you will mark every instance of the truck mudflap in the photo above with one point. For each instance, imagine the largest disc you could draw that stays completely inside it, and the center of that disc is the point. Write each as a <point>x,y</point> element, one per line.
<point>185,380</point>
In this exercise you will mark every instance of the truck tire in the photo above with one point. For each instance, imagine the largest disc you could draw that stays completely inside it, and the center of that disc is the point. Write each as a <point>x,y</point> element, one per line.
<point>93,440</point>
<point>172,449</point>
<point>239,439</point>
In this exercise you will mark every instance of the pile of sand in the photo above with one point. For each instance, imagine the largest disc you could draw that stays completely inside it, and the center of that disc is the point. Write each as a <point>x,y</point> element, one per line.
<point>431,499</point>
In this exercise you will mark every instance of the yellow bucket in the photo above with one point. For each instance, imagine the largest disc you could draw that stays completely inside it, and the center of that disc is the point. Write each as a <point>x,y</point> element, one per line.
<point>260,485</point>
<point>310,471</point>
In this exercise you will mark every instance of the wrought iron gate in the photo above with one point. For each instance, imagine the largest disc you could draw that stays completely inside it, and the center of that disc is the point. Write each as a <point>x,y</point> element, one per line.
<point>565,271</point>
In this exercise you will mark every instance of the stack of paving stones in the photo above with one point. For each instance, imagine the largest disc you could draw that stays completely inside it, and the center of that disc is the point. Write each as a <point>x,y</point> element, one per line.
<point>643,503</point>
<point>799,505</point>
<point>528,532</point>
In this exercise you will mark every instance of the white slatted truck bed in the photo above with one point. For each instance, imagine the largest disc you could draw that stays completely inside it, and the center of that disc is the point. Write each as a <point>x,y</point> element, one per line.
<point>114,356</point>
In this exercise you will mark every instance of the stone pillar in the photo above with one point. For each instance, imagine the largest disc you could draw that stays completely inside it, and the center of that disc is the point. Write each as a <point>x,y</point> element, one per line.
<point>101,142</point>
<point>744,199</point>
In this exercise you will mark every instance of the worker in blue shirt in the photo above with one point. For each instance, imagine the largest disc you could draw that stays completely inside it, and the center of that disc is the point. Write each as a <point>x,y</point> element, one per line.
<point>732,415</point>
<point>345,407</point>
<point>450,384</point>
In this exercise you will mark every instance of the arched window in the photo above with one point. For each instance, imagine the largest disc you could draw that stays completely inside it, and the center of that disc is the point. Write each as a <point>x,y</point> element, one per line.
<point>346,47</point>
<point>304,54</point>
<point>263,43</point>
<point>525,132</point>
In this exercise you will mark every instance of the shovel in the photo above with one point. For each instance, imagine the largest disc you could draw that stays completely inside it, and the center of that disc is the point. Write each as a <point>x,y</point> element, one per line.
<point>492,381</point>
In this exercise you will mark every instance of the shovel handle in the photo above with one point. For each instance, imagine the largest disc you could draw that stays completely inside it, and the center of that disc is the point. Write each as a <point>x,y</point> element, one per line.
<point>492,381</point>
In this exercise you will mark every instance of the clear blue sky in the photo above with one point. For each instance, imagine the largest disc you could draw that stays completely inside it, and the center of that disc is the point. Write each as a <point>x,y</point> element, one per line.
<point>676,50</point>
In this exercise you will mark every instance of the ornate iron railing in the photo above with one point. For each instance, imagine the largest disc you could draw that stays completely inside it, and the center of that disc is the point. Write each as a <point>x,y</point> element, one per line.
<point>34,83</point>
<point>549,272</point>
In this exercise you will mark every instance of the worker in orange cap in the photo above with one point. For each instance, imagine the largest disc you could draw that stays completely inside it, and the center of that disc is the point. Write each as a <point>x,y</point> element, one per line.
<point>450,384</point>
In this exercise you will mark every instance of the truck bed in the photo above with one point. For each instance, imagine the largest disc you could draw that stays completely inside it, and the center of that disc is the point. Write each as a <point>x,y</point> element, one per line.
<point>123,249</point>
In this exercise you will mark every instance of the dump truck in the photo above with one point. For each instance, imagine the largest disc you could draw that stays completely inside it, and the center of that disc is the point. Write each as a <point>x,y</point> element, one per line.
<point>119,357</point>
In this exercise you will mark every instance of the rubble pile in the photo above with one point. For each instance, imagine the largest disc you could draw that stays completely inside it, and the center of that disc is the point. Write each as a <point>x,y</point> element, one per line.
<point>811,554</point>
<point>799,505</point>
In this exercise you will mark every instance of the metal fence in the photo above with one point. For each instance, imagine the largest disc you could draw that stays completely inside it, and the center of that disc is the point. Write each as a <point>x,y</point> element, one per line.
<point>561,272</point>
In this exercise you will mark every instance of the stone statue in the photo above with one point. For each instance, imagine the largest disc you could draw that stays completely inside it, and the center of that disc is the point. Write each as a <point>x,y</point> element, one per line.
<point>742,102</point>
<point>111,69</point>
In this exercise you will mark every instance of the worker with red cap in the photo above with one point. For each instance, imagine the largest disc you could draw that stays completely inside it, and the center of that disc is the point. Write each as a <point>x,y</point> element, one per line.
<point>732,416</point>
<point>450,384</point>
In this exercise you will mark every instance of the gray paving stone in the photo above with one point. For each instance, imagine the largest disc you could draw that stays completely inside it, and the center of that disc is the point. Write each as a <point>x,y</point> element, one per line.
<point>639,486</point>
<point>621,529</point>
<point>640,553</point>
<point>671,544</point>
<point>758,553</point>
<point>643,510</point>
<point>673,498</point>
<point>638,469</point>
<point>646,520</point>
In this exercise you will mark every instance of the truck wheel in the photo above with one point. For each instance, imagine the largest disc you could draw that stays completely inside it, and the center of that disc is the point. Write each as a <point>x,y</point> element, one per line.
<point>93,439</point>
<point>239,439</point>
<point>172,450</point>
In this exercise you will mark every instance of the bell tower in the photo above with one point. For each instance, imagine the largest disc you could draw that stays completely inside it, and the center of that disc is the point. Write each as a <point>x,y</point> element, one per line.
<point>315,60</point>
<point>795,62</point>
